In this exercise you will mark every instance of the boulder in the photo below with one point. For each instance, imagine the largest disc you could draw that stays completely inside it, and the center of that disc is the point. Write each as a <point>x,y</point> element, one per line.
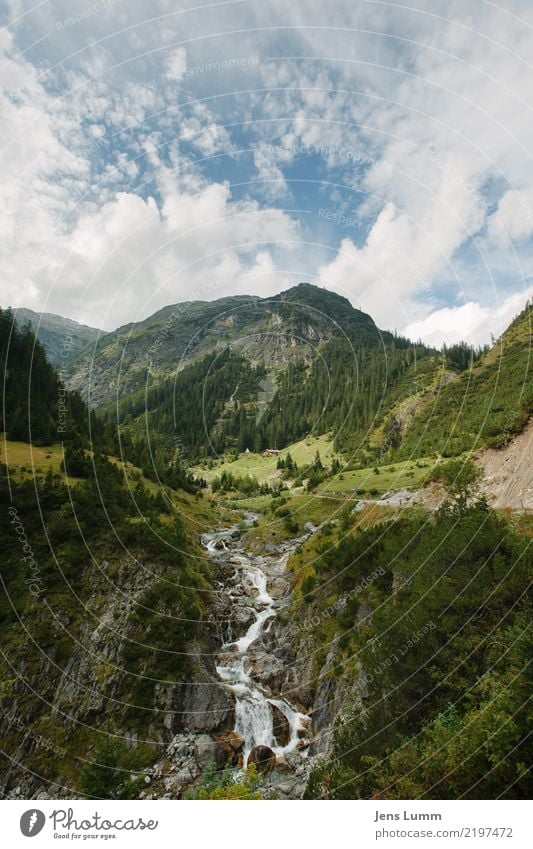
<point>209,752</point>
<point>268,669</point>
<point>231,743</point>
<point>242,618</point>
<point>278,588</point>
<point>208,706</point>
<point>281,727</point>
<point>264,759</point>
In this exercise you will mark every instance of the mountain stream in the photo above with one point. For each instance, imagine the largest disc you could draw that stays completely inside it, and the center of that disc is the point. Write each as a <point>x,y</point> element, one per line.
<point>242,655</point>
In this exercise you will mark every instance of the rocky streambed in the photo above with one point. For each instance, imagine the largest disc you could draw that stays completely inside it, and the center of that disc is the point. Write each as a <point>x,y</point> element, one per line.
<point>253,669</point>
<point>270,724</point>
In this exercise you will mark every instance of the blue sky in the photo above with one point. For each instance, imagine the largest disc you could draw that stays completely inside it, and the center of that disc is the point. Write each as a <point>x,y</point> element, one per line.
<point>152,155</point>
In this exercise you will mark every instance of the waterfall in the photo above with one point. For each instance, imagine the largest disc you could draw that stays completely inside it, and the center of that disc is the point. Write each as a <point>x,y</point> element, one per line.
<point>254,718</point>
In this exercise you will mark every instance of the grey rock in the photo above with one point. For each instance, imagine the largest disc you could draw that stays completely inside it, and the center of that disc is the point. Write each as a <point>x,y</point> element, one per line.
<point>242,618</point>
<point>208,706</point>
<point>278,588</point>
<point>209,752</point>
<point>268,669</point>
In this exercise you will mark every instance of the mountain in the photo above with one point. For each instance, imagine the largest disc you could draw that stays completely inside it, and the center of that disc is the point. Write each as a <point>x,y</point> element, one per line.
<point>273,331</point>
<point>253,373</point>
<point>62,338</point>
<point>246,372</point>
<point>396,637</point>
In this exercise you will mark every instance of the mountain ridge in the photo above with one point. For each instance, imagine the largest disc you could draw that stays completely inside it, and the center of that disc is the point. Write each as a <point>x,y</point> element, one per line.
<point>61,337</point>
<point>300,318</point>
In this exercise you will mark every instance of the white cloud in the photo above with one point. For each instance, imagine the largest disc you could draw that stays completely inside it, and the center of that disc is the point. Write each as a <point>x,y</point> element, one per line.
<point>130,257</point>
<point>105,207</point>
<point>268,170</point>
<point>470,322</point>
<point>513,219</point>
<point>93,230</point>
<point>177,63</point>
<point>396,264</point>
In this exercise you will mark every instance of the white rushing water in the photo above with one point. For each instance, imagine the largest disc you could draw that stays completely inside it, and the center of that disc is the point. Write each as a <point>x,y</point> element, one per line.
<point>254,718</point>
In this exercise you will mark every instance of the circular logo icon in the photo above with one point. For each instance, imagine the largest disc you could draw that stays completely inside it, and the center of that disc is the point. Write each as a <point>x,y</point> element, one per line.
<point>32,822</point>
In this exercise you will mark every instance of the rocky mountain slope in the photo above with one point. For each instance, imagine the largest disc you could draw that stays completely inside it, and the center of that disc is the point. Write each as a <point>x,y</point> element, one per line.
<point>62,338</point>
<point>273,331</point>
<point>508,472</point>
<point>247,372</point>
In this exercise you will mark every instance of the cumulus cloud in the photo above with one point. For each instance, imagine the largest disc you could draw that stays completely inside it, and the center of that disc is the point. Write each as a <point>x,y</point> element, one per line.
<point>513,219</point>
<point>470,322</point>
<point>125,186</point>
<point>103,219</point>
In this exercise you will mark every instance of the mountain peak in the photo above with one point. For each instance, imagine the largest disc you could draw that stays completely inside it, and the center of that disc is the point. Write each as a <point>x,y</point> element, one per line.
<point>325,301</point>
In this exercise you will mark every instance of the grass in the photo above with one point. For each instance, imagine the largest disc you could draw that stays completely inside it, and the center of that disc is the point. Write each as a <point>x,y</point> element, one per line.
<point>408,474</point>
<point>327,501</point>
<point>272,527</point>
<point>264,468</point>
<point>27,461</point>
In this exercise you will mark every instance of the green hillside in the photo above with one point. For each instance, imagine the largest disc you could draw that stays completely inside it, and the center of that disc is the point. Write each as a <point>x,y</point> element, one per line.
<point>485,405</point>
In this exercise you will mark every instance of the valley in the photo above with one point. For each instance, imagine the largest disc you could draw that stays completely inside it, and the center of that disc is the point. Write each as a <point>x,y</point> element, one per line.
<point>279,554</point>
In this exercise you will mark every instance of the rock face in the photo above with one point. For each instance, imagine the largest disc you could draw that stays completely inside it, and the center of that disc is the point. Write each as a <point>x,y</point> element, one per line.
<point>269,670</point>
<point>264,759</point>
<point>508,479</point>
<point>91,684</point>
<point>231,744</point>
<point>207,706</point>
<point>190,723</point>
<point>282,731</point>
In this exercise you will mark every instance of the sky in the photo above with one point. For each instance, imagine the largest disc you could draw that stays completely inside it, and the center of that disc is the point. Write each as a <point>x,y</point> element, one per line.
<point>158,152</point>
